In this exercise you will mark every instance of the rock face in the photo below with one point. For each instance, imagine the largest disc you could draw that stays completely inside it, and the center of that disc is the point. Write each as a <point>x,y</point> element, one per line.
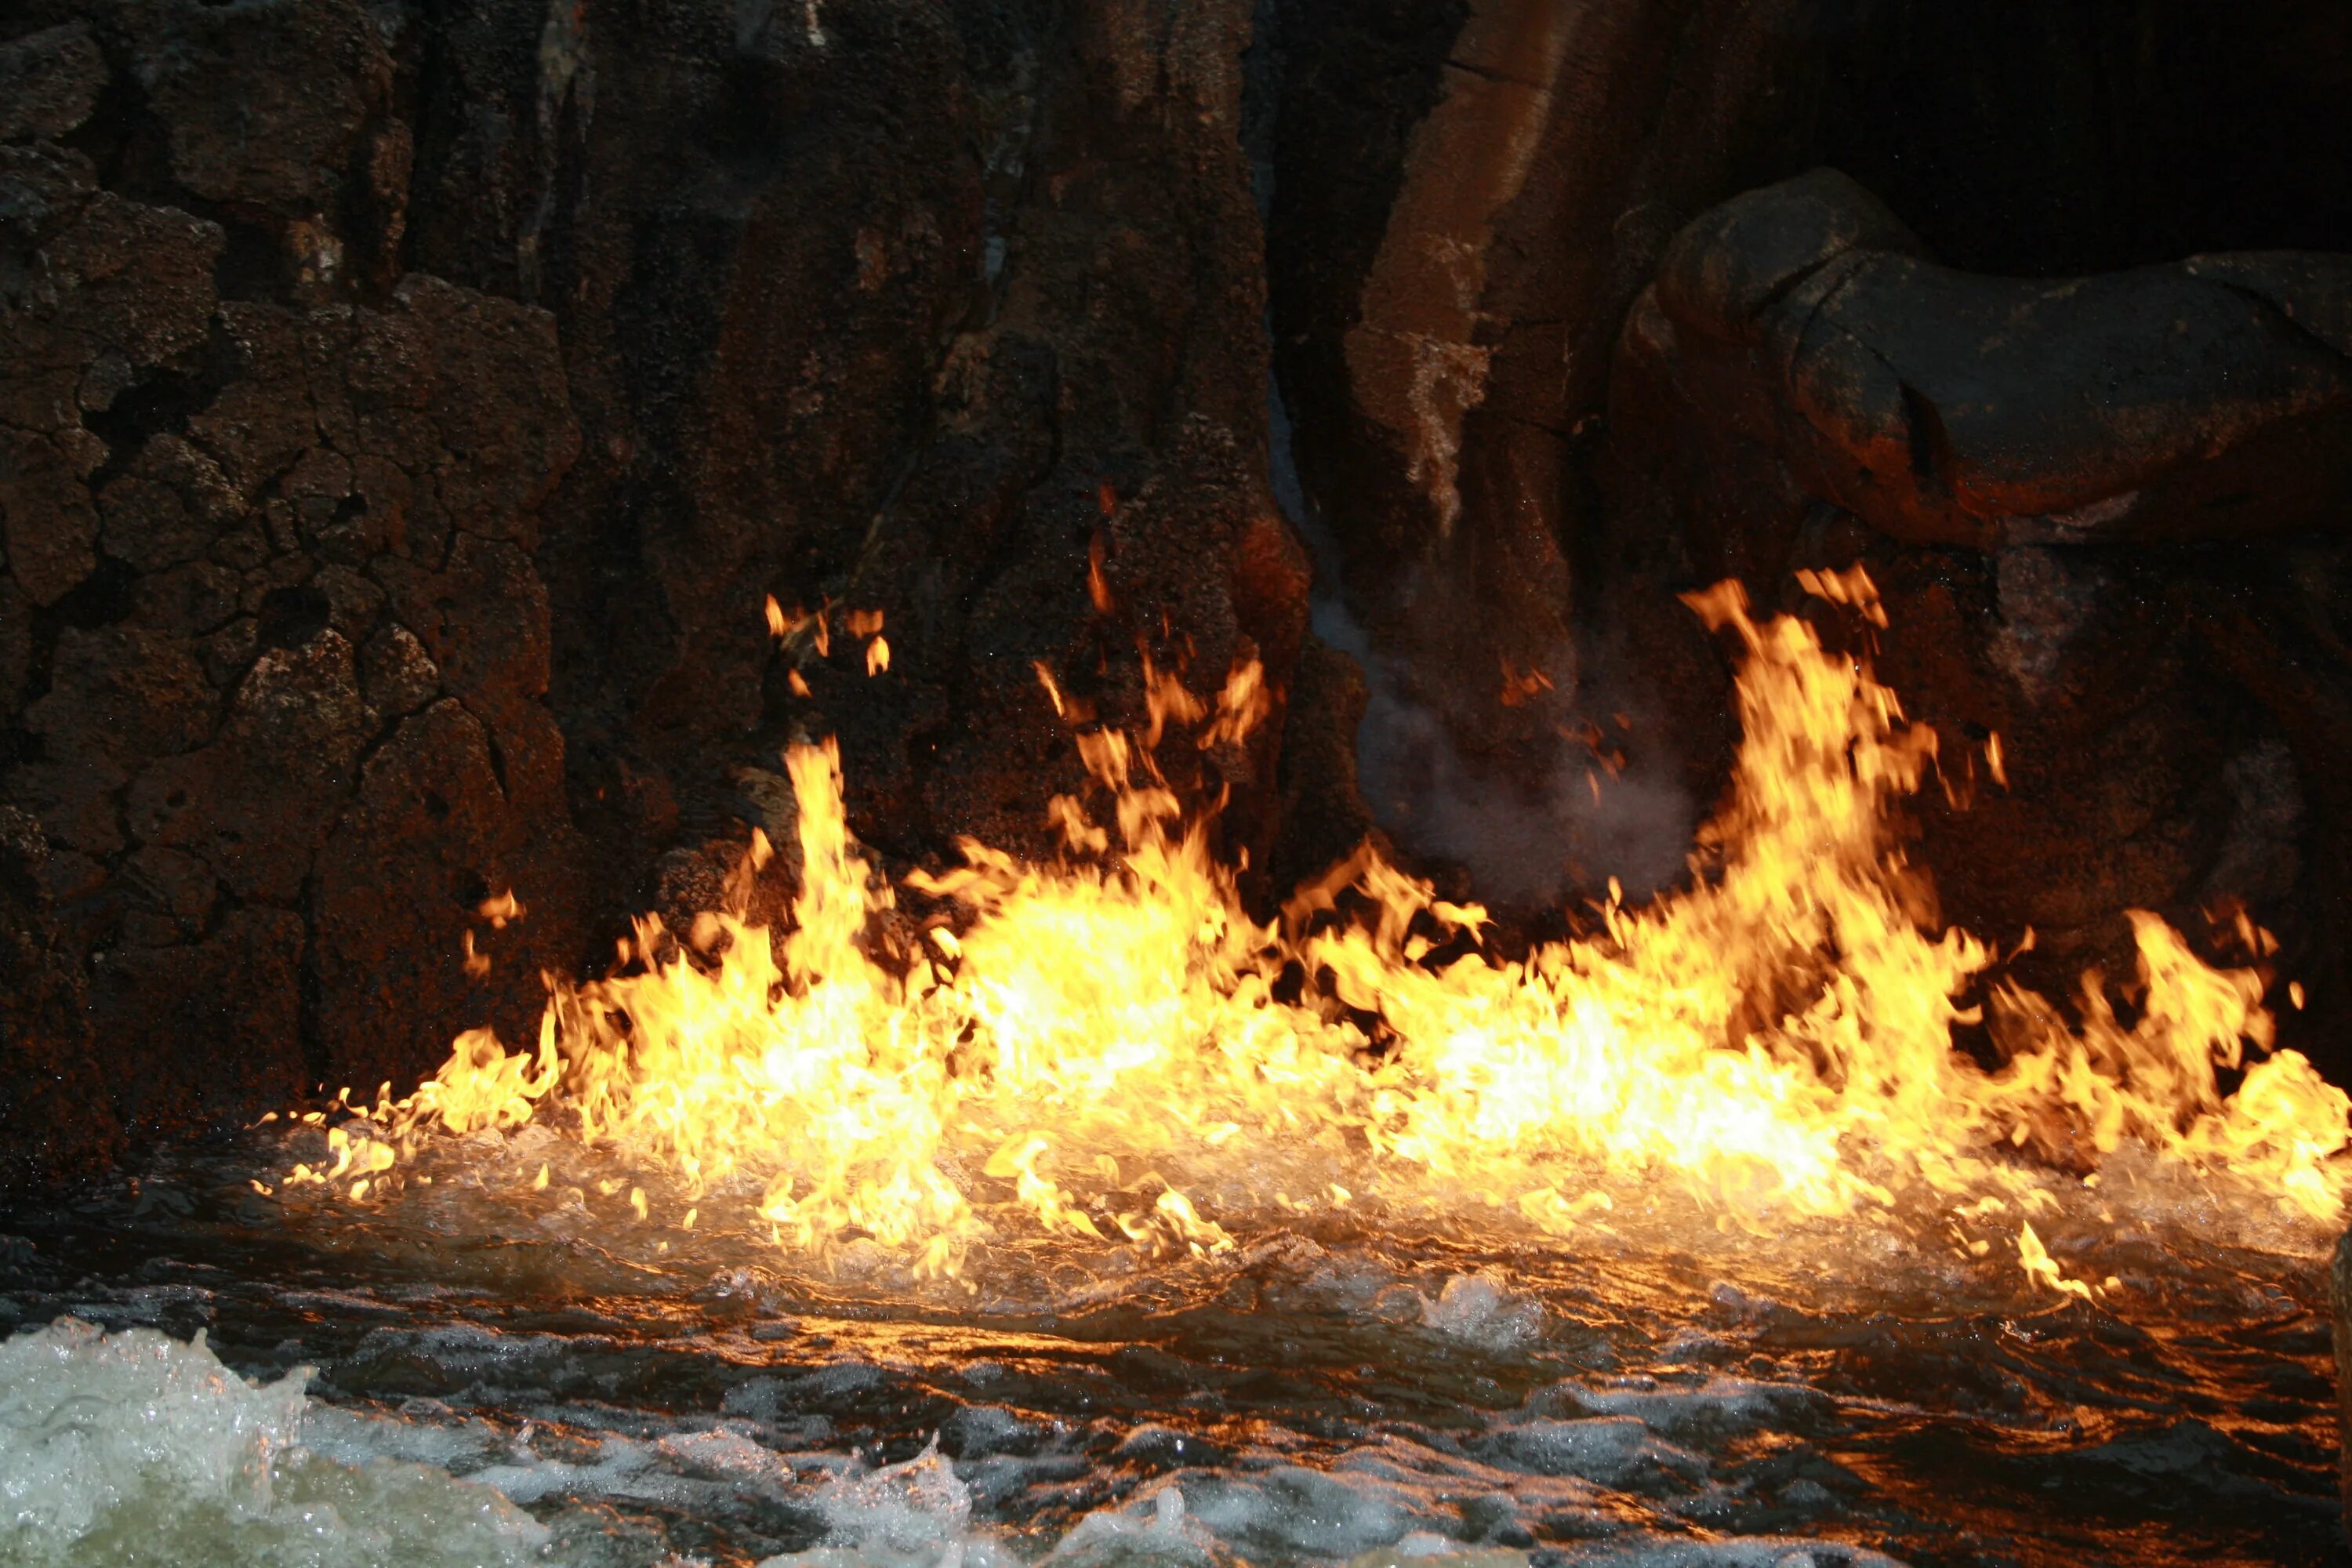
<point>258,510</point>
<point>399,435</point>
<point>908,308</point>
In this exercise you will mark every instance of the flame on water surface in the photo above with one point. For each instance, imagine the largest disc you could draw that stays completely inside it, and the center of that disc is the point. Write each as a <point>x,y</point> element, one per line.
<point>1107,1048</point>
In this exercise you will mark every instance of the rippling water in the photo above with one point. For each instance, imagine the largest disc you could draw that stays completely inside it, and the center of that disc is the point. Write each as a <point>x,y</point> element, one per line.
<point>1658,1393</point>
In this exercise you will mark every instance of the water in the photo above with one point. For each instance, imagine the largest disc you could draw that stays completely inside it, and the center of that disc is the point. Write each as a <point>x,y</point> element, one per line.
<point>610,1393</point>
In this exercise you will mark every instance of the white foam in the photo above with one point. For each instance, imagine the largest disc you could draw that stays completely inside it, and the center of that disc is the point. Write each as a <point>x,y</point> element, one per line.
<point>912,1515</point>
<point>1291,1508</point>
<point>135,1447</point>
<point>1153,1532</point>
<point>1480,1310</point>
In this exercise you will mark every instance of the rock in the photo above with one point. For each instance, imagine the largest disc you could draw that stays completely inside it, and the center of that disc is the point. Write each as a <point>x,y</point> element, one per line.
<point>1946,408</point>
<point>395,673</point>
<point>211,642</point>
<point>1804,387</point>
<point>257,802</point>
<point>318,188</point>
<point>168,506</point>
<point>206,1034</point>
<point>49,81</point>
<point>1323,813</point>
<point>45,516</point>
<point>430,835</point>
<point>57,1109</point>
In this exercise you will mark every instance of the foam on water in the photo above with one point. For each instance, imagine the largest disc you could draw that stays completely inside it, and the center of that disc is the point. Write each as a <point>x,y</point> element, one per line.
<point>134,1447</point>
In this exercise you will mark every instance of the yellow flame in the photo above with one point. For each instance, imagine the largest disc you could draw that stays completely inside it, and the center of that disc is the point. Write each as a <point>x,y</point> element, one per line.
<point>2043,1269</point>
<point>1107,1045</point>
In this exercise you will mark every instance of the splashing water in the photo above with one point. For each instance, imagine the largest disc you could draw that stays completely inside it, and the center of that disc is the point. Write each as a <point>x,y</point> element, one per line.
<point>136,1447</point>
<point>1110,1046</point>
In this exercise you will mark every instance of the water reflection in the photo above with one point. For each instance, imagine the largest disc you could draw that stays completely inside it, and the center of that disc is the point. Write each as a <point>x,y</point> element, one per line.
<point>1656,1392</point>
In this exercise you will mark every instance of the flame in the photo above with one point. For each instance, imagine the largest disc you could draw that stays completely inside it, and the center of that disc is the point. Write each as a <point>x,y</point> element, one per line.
<point>1097,587</point>
<point>1111,1045</point>
<point>1522,686</point>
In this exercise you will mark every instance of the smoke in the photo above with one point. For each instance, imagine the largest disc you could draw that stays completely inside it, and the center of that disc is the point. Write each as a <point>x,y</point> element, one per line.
<point>1530,830</point>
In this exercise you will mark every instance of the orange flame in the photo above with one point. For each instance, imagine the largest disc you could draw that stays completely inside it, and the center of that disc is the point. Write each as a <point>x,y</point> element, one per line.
<point>1520,687</point>
<point>1104,1048</point>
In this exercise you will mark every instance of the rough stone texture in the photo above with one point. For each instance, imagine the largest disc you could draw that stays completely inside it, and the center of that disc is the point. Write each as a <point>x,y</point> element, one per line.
<point>399,435</point>
<point>1032,334</point>
<point>258,504</point>
<point>404,410</point>
<point>2106,516</point>
<point>49,81</point>
<point>2210,400</point>
<point>57,1115</point>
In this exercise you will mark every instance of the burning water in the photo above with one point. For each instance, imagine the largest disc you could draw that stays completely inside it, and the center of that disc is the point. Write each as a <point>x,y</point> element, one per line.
<point>1109,1051</point>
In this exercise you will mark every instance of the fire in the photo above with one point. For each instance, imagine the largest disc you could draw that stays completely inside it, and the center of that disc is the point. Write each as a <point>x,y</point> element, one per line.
<point>1111,1047</point>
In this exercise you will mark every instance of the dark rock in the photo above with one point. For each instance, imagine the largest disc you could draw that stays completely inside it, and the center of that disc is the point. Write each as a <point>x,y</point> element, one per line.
<point>270,473</point>
<point>256,804</point>
<point>1324,816</point>
<point>15,648</point>
<point>279,112</point>
<point>430,835</point>
<point>395,673</point>
<point>45,516</point>
<point>2079,502</point>
<point>1948,408</point>
<point>57,1109</point>
<point>208,1032</point>
<point>49,81</point>
<point>168,506</point>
